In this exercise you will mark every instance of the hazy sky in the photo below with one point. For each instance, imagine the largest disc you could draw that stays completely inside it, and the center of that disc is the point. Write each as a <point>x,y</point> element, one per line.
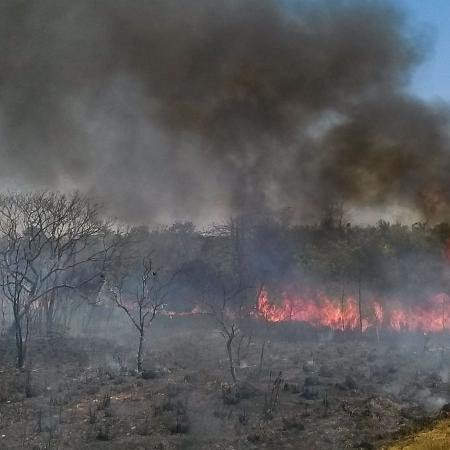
<point>432,79</point>
<point>173,109</point>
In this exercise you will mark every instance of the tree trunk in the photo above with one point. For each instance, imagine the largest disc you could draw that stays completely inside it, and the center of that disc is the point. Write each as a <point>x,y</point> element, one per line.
<point>230,357</point>
<point>263,347</point>
<point>50,315</point>
<point>249,341</point>
<point>360,304</point>
<point>3,326</point>
<point>238,352</point>
<point>343,306</point>
<point>18,316</point>
<point>443,314</point>
<point>20,348</point>
<point>139,354</point>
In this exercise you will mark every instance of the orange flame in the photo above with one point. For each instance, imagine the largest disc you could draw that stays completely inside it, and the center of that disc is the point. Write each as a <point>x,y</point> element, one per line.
<point>322,311</point>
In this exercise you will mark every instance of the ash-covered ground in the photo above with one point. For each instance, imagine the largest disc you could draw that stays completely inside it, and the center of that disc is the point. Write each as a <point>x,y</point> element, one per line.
<point>316,389</point>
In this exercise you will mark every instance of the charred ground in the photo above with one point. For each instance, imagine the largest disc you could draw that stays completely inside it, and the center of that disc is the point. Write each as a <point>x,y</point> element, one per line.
<point>314,392</point>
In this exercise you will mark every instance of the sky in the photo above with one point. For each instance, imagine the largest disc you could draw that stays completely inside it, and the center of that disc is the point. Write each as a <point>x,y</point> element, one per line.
<point>198,110</point>
<point>432,80</point>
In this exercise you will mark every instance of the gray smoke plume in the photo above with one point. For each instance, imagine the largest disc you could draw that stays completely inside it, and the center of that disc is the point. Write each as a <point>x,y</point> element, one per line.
<point>172,109</point>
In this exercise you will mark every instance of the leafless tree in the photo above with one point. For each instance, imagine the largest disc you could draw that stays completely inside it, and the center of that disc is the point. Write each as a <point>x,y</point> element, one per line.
<point>226,291</point>
<point>142,306</point>
<point>227,309</point>
<point>46,239</point>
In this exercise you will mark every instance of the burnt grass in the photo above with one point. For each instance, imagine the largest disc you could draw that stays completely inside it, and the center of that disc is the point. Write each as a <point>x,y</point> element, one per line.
<point>317,390</point>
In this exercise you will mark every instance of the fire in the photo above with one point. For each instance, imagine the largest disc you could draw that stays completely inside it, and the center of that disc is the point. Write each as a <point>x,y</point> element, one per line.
<point>193,312</point>
<point>378,311</point>
<point>320,310</point>
<point>433,317</point>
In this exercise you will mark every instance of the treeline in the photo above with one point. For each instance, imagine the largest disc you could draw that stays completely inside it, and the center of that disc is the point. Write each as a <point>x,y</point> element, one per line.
<point>387,259</point>
<point>61,258</point>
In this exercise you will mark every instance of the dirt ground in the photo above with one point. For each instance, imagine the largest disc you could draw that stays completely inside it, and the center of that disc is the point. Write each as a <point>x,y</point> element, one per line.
<point>317,390</point>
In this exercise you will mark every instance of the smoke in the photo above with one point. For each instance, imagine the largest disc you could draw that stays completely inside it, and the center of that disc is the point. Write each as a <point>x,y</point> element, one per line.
<point>196,109</point>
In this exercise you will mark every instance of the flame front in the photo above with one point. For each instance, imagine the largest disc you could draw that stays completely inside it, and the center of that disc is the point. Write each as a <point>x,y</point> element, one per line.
<point>320,310</point>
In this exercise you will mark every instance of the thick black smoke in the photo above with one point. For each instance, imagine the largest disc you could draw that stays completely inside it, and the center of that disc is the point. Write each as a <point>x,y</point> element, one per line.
<point>199,108</point>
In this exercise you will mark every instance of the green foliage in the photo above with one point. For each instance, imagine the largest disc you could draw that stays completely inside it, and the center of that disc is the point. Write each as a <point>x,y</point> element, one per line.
<point>387,258</point>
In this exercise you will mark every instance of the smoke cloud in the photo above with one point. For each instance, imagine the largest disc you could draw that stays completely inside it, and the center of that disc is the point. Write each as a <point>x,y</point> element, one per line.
<point>197,109</point>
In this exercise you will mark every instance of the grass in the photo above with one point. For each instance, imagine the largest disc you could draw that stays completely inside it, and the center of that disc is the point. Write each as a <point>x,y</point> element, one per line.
<point>437,438</point>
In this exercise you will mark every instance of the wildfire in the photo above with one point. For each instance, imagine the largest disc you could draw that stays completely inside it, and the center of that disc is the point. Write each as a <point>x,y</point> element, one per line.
<point>171,314</point>
<point>323,311</point>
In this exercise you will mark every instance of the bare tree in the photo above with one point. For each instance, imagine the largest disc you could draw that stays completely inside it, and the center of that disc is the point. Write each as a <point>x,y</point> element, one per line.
<point>142,306</point>
<point>45,241</point>
<point>225,289</point>
<point>227,309</point>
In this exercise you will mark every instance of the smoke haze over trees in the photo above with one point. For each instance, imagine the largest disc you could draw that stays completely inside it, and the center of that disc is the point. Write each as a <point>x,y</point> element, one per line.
<point>197,110</point>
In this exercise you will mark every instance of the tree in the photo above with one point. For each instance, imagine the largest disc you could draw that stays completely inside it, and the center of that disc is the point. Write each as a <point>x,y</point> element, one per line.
<point>142,306</point>
<point>46,239</point>
<point>224,284</point>
<point>226,305</point>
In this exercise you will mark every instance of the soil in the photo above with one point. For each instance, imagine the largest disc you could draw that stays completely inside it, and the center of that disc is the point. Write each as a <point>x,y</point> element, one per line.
<point>316,390</point>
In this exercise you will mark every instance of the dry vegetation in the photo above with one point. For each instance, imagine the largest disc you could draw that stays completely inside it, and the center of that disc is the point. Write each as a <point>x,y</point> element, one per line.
<point>325,393</point>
